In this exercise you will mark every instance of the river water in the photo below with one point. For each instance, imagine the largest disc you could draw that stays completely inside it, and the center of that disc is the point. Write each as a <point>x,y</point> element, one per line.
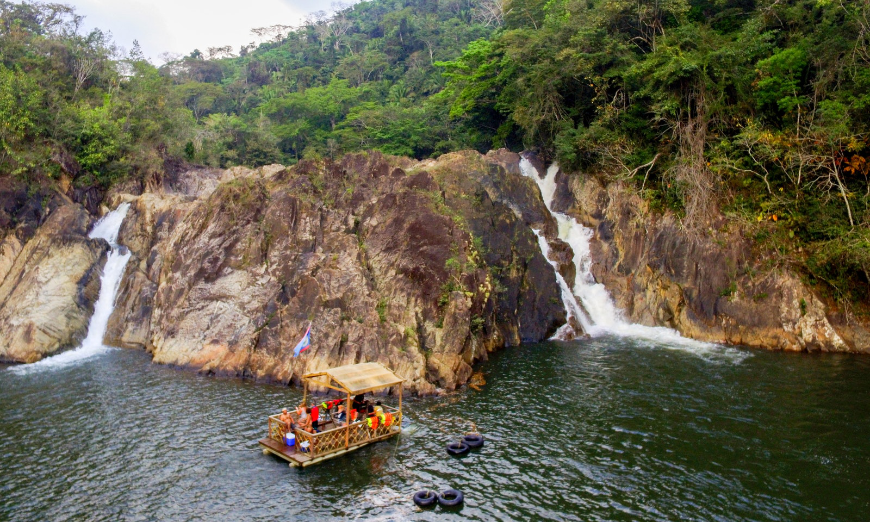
<point>604,429</point>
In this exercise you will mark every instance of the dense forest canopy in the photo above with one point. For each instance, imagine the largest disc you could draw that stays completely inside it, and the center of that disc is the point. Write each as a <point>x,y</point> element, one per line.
<point>755,109</point>
<point>758,108</point>
<point>361,78</point>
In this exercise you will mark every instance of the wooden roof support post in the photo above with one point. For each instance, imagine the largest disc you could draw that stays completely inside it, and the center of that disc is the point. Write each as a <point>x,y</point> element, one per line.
<point>305,394</point>
<point>347,421</point>
<point>400,402</point>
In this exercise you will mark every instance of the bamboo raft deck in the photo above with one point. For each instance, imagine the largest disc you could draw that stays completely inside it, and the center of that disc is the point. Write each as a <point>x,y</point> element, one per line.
<point>326,444</point>
<point>334,440</point>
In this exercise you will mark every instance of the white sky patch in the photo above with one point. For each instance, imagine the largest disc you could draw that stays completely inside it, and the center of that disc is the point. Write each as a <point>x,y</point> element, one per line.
<point>180,26</point>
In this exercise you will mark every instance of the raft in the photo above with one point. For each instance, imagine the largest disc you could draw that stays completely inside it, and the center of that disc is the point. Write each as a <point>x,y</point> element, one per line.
<point>334,441</point>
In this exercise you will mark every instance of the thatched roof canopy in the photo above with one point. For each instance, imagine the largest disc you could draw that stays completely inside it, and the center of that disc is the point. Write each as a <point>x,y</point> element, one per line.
<point>358,378</point>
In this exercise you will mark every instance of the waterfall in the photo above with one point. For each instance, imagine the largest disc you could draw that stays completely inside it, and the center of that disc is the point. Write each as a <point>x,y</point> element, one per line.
<point>569,301</point>
<point>596,311</point>
<point>106,228</point>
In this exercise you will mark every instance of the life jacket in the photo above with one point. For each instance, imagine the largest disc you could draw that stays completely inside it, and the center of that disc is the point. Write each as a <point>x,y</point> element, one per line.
<point>353,415</point>
<point>326,405</point>
<point>372,422</point>
<point>314,413</point>
<point>387,419</point>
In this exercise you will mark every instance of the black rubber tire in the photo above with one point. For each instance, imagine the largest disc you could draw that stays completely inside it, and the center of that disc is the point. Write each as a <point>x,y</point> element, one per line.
<point>451,498</point>
<point>425,498</point>
<point>473,440</point>
<point>457,448</point>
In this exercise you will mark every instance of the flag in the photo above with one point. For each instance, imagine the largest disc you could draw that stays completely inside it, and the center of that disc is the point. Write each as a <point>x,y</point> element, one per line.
<point>304,344</point>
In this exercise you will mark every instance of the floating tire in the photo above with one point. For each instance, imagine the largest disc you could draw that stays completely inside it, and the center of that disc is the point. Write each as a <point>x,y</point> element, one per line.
<point>451,498</point>
<point>473,440</point>
<point>457,448</point>
<point>425,498</point>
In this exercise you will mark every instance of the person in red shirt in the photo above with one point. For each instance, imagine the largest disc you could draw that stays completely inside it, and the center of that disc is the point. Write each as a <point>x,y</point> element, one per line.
<point>315,413</point>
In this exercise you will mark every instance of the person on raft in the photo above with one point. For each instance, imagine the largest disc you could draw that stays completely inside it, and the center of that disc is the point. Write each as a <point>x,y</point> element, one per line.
<point>340,418</point>
<point>314,413</point>
<point>359,402</point>
<point>305,419</point>
<point>287,419</point>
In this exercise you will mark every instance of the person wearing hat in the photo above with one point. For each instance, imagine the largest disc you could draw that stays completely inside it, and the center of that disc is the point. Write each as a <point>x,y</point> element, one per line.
<point>340,417</point>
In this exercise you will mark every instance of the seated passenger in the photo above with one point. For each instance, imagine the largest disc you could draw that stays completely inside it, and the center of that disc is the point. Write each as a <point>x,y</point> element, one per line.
<point>340,418</point>
<point>287,419</point>
<point>379,409</point>
<point>358,402</point>
<point>305,420</point>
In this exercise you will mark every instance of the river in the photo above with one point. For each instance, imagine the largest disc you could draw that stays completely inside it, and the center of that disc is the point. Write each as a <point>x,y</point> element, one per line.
<point>604,429</point>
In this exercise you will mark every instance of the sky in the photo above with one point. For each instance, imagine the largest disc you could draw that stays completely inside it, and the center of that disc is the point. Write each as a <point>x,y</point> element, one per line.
<point>180,26</point>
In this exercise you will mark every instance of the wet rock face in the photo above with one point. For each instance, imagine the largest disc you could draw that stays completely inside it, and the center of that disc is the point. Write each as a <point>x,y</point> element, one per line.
<point>709,287</point>
<point>49,286</point>
<point>419,266</point>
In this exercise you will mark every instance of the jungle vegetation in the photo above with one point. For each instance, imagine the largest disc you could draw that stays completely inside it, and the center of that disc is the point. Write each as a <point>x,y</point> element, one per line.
<point>756,110</point>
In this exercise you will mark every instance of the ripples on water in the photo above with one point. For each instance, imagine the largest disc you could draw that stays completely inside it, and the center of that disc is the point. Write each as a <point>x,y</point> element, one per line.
<point>607,429</point>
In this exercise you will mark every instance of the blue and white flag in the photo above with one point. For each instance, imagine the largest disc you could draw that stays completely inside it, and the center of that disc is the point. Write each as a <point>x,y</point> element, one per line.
<point>304,344</point>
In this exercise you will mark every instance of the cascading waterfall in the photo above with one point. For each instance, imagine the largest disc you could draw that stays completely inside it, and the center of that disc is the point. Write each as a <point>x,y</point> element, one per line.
<point>596,311</point>
<point>106,228</point>
<point>575,311</point>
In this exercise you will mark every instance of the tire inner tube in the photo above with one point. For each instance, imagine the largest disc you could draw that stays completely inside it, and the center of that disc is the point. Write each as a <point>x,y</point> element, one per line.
<point>457,448</point>
<point>451,498</point>
<point>425,498</point>
<point>473,440</point>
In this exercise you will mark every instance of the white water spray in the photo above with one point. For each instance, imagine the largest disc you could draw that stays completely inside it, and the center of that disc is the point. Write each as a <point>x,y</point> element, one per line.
<point>107,228</point>
<point>569,301</point>
<point>599,315</point>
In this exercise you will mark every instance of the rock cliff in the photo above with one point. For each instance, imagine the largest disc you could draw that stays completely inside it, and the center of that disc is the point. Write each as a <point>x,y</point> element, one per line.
<point>49,286</point>
<point>712,286</point>
<point>424,267</point>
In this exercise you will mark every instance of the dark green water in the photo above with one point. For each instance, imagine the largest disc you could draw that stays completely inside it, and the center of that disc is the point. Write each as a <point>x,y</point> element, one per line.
<point>606,429</point>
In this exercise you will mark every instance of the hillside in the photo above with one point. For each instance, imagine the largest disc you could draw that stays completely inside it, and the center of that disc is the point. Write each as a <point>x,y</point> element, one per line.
<point>731,116</point>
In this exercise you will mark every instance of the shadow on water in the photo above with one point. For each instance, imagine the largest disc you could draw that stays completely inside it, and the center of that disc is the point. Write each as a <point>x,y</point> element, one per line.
<point>603,429</point>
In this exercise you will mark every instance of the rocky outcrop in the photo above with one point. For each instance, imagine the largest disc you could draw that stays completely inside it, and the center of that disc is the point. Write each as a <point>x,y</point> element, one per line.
<point>424,267</point>
<point>710,286</point>
<point>49,286</point>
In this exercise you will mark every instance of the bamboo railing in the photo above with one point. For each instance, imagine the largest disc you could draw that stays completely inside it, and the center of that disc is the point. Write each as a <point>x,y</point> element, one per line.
<point>277,429</point>
<point>335,439</point>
